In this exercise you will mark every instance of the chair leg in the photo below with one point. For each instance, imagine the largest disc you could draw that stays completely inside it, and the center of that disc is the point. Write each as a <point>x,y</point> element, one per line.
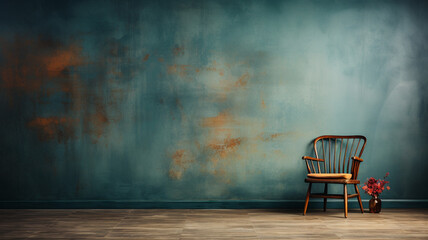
<point>307,198</point>
<point>325,199</point>
<point>345,196</point>
<point>359,198</point>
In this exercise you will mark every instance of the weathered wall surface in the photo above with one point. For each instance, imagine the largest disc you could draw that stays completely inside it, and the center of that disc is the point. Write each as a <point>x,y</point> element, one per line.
<point>206,100</point>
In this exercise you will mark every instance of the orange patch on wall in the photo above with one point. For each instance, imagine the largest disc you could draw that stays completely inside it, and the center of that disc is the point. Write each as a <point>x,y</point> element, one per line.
<point>38,68</point>
<point>30,64</point>
<point>178,69</point>
<point>221,143</point>
<point>221,120</point>
<point>146,57</point>
<point>263,102</point>
<point>63,59</point>
<point>177,157</point>
<point>243,80</point>
<point>175,174</point>
<point>96,123</point>
<point>51,128</point>
<point>225,146</point>
<point>181,160</point>
<point>274,136</point>
<point>223,155</point>
<point>220,71</point>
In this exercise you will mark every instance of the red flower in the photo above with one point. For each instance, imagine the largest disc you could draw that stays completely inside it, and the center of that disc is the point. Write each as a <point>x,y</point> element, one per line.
<point>375,187</point>
<point>372,180</point>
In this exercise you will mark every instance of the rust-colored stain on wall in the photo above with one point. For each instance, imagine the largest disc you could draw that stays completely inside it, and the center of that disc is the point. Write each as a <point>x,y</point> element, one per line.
<point>96,122</point>
<point>32,64</point>
<point>215,67</point>
<point>266,137</point>
<point>62,59</point>
<point>146,57</point>
<point>225,146</point>
<point>180,161</point>
<point>61,129</point>
<point>243,80</point>
<point>222,119</point>
<point>42,69</point>
<point>263,104</point>
<point>52,68</point>
<point>178,69</point>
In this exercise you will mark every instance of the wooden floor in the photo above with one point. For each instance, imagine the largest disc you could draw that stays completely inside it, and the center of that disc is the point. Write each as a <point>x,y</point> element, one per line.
<point>212,224</point>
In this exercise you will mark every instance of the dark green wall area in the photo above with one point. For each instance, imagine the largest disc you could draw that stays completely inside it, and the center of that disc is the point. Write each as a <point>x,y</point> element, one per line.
<point>171,101</point>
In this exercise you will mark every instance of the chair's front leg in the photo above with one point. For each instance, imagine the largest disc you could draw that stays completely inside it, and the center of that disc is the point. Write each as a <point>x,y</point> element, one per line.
<point>325,199</point>
<point>345,196</point>
<point>308,194</point>
<point>359,198</point>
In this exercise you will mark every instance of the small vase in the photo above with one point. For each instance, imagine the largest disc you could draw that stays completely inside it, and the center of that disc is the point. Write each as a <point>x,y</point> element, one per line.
<point>375,204</point>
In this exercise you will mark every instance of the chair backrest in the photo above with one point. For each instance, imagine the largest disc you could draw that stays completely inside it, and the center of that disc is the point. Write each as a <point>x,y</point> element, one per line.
<point>337,152</point>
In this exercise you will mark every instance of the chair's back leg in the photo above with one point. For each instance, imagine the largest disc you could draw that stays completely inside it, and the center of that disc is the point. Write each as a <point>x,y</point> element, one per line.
<point>308,194</point>
<point>359,198</point>
<point>345,195</point>
<point>325,199</point>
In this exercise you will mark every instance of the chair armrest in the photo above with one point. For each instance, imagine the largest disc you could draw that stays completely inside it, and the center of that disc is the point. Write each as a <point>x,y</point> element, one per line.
<point>355,166</point>
<point>313,159</point>
<point>357,159</point>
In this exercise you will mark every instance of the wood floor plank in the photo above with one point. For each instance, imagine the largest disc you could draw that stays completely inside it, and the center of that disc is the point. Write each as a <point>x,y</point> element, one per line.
<point>205,224</point>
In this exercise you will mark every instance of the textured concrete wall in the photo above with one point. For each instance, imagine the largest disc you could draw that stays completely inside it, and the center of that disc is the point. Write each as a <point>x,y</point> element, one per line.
<point>206,100</point>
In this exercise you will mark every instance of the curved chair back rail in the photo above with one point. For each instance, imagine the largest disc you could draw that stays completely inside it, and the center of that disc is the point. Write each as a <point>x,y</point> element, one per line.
<point>335,154</point>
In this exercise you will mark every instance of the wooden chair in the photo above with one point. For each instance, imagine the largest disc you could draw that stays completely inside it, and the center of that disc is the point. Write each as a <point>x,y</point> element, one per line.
<point>339,164</point>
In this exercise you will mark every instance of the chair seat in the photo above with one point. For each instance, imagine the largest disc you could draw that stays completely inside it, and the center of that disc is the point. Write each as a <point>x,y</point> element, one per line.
<point>330,175</point>
<point>332,180</point>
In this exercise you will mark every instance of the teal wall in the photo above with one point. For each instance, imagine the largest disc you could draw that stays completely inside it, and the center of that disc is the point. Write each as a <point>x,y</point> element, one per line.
<point>206,100</point>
